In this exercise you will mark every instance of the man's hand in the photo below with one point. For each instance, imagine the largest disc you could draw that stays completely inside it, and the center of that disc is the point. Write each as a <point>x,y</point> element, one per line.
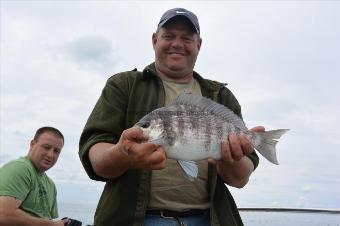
<point>141,155</point>
<point>71,222</point>
<point>11,214</point>
<point>131,152</point>
<point>234,167</point>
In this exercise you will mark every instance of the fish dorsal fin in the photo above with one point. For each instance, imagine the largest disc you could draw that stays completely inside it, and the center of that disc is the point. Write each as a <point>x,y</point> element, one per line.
<point>210,106</point>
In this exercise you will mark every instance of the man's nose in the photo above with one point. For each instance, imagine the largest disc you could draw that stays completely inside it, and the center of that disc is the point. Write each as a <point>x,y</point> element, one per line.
<point>50,153</point>
<point>177,42</point>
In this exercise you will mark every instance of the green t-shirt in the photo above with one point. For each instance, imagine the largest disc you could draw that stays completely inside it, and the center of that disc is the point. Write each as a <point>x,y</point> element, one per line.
<point>19,179</point>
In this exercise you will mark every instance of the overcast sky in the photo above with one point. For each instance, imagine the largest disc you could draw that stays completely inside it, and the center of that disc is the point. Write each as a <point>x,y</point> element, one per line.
<point>280,58</point>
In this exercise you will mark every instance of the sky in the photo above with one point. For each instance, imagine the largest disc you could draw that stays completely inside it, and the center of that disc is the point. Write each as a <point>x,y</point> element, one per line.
<point>280,58</point>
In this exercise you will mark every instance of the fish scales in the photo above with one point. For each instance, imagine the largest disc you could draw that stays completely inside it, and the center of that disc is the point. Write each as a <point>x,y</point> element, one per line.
<point>191,123</point>
<point>189,126</point>
<point>192,128</point>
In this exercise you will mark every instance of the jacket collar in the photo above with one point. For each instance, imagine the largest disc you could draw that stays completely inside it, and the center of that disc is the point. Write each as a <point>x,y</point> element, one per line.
<point>150,71</point>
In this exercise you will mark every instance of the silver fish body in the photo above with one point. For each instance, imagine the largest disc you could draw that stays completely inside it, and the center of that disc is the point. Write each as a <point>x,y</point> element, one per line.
<point>187,132</point>
<point>193,127</point>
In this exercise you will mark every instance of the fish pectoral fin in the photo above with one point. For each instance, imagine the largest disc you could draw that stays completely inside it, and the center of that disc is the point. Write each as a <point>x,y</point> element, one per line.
<point>190,169</point>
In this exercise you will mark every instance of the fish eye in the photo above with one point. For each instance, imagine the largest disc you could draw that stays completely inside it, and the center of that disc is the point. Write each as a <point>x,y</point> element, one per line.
<point>145,124</point>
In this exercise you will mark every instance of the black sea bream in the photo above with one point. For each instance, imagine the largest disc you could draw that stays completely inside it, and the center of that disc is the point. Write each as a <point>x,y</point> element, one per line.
<point>193,127</point>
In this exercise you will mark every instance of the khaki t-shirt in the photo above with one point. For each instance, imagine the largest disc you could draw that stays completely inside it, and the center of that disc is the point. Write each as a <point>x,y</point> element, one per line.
<point>170,189</point>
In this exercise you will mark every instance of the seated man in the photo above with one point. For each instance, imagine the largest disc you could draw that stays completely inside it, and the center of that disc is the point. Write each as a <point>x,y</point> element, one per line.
<point>27,194</point>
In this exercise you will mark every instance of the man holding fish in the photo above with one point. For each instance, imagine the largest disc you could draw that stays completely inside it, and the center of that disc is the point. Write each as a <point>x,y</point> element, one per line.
<point>170,167</point>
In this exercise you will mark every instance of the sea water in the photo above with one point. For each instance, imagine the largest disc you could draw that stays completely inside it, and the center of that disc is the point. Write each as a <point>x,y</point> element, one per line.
<point>81,211</point>
<point>84,212</point>
<point>273,218</point>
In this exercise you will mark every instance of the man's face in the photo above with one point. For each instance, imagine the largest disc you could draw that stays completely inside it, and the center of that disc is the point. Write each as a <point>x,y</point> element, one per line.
<point>176,48</point>
<point>45,150</point>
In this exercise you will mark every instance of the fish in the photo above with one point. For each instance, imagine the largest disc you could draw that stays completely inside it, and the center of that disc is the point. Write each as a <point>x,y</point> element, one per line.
<point>192,128</point>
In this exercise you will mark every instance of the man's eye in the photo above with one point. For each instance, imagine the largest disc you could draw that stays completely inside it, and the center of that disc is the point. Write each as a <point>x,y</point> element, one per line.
<point>188,39</point>
<point>168,37</point>
<point>46,147</point>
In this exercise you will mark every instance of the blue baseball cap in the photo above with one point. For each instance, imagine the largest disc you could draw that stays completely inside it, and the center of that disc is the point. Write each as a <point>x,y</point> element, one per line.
<point>172,13</point>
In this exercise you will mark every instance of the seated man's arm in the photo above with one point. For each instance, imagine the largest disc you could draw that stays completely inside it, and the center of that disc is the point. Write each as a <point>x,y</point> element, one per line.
<point>11,214</point>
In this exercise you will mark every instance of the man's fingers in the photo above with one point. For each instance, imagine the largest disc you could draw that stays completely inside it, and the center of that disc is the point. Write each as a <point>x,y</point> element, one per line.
<point>258,129</point>
<point>142,149</point>
<point>225,151</point>
<point>147,157</point>
<point>157,159</point>
<point>135,134</point>
<point>235,147</point>
<point>129,138</point>
<point>246,145</point>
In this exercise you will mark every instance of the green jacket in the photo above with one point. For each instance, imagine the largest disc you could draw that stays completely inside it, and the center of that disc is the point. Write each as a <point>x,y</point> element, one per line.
<point>125,98</point>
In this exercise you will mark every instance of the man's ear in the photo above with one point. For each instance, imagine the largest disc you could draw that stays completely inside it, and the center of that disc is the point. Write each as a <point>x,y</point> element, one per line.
<point>32,143</point>
<point>154,40</point>
<point>199,43</point>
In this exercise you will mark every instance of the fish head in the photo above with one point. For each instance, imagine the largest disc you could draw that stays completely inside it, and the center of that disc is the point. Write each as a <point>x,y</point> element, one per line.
<point>153,128</point>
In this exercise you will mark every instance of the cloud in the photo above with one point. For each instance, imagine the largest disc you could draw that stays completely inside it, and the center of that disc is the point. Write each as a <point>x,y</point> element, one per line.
<point>93,52</point>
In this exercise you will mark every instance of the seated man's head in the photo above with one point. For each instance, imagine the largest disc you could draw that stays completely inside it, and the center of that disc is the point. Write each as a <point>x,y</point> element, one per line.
<point>45,148</point>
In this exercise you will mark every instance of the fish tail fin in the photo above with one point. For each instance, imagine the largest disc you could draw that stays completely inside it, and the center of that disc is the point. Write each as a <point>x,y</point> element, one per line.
<point>265,143</point>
